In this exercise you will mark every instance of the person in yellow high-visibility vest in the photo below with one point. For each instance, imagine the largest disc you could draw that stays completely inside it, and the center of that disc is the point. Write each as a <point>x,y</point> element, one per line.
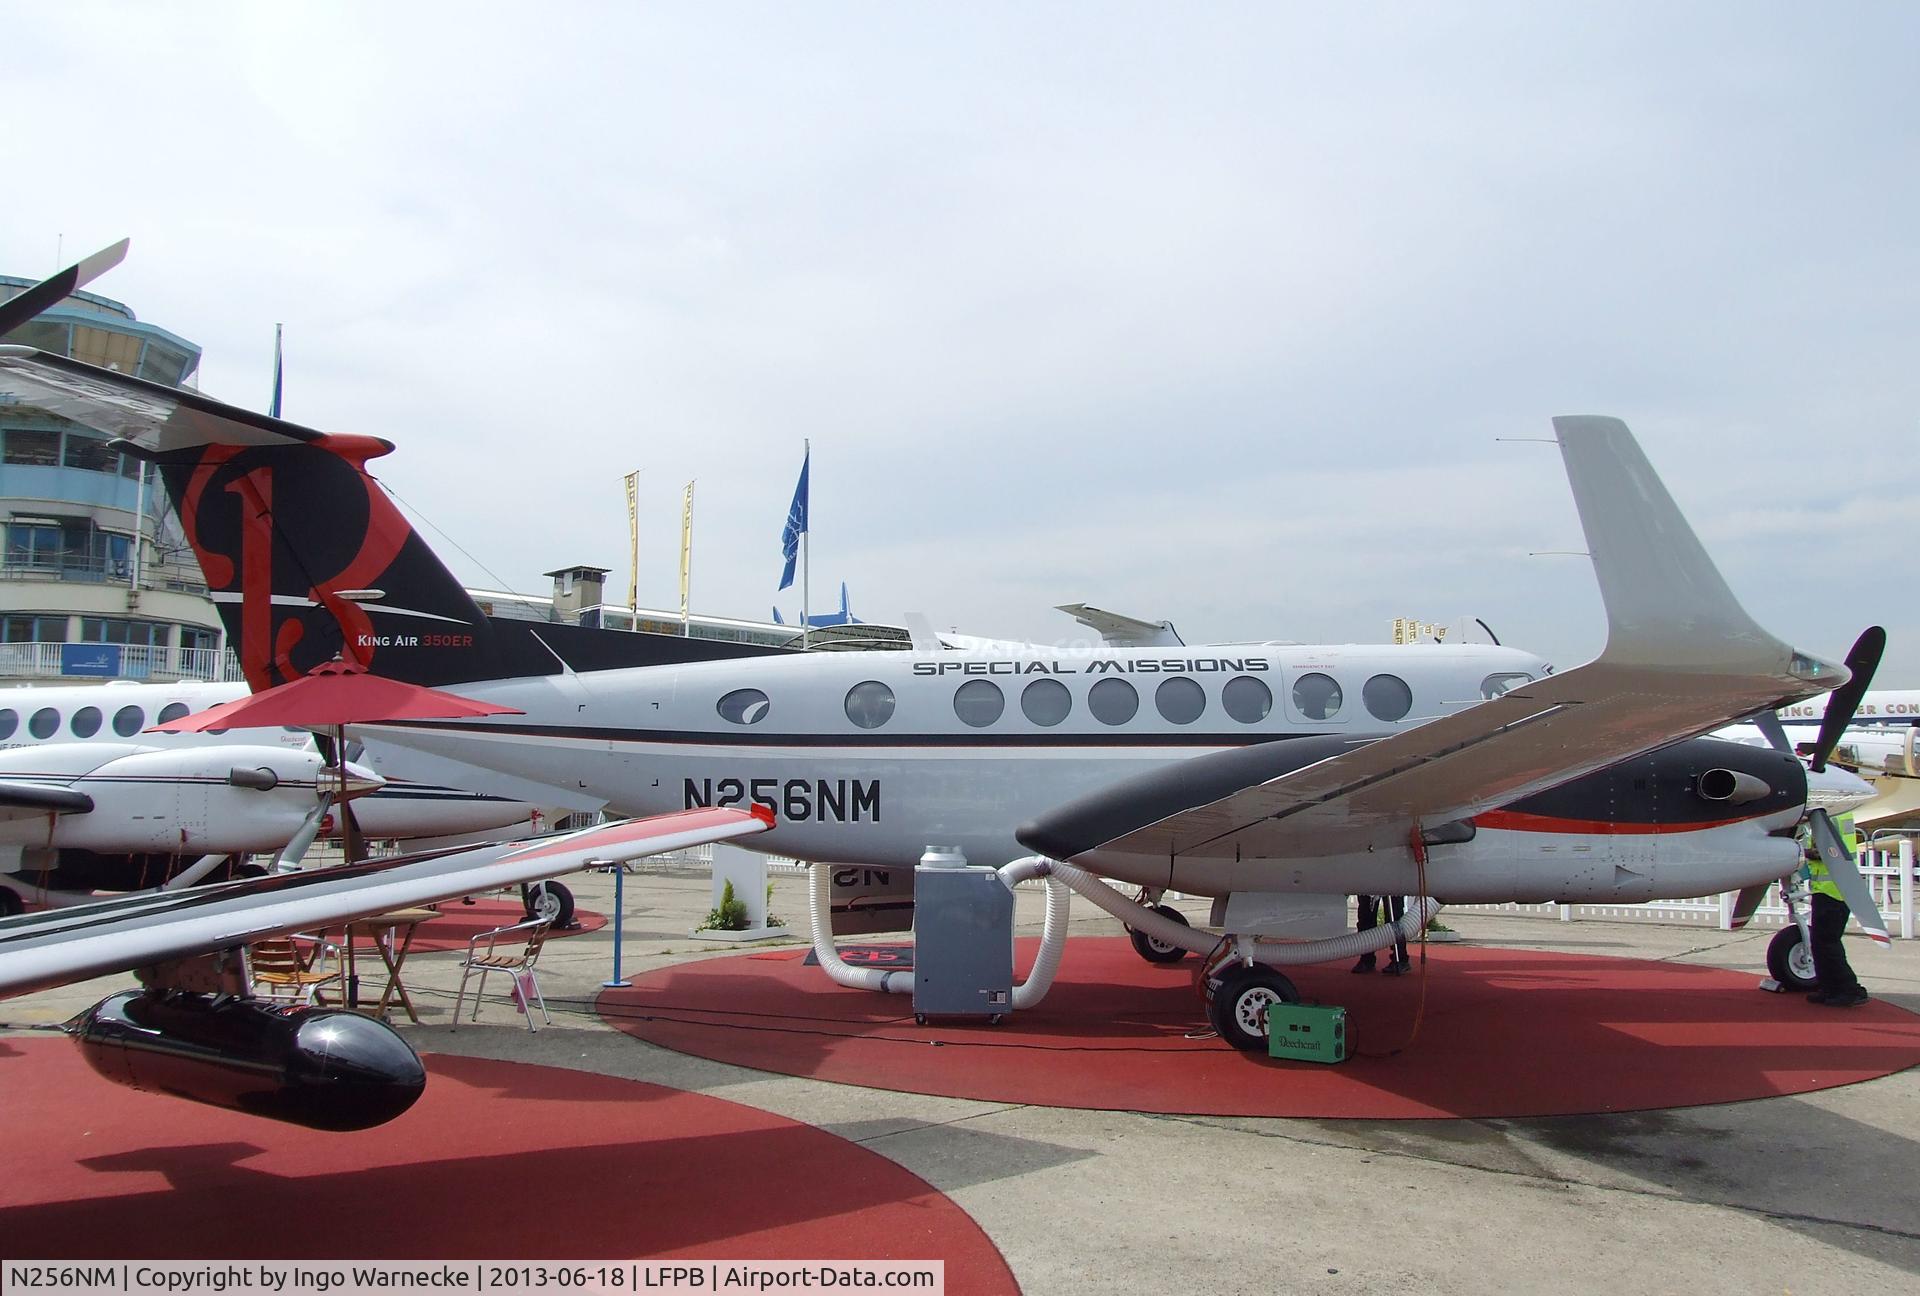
<point>1838,986</point>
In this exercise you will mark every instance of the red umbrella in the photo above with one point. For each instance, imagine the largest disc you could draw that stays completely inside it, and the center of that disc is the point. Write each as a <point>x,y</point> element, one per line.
<point>333,696</point>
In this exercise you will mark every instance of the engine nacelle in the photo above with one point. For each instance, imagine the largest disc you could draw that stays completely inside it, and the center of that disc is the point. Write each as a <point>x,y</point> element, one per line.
<point>326,1069</point>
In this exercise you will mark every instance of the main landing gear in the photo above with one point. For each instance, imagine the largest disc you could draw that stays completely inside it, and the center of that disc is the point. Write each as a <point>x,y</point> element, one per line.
<point>551,901</point>
<point>1238,997</point>
<point>1147,947</point>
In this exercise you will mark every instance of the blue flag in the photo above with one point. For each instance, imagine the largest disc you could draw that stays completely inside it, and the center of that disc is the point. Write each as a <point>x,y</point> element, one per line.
<point>796,522</point>
<point>273,410</point>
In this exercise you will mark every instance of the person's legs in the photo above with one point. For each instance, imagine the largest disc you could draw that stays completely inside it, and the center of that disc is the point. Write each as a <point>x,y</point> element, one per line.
<point>1838,984</point>
<point>1367,907</point>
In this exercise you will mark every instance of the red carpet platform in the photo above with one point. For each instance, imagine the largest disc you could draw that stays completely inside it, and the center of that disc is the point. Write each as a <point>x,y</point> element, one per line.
<point>1505,1033</point>
<point>458,922</point>
<point>496,1160</point>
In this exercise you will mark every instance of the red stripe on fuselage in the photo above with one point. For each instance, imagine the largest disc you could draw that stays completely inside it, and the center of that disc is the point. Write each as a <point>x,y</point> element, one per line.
<point>1520,821</point>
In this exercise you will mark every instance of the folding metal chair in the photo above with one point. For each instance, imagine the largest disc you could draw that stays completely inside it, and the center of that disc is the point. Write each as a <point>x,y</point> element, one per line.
<point>280,971</point>
<point>513,950</point>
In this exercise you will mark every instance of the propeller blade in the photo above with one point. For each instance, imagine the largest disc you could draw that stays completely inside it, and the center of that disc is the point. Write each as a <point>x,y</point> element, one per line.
<point>296,849</point>
<point>1747,903</point>
<point>1862,661</point>
<point>1846,875</point>
<point>1768,723</point>
<point>353,842</point>
<point>50,292</point>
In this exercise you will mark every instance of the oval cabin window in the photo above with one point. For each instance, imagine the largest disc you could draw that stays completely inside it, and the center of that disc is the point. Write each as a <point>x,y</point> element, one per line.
<point>744,707</point>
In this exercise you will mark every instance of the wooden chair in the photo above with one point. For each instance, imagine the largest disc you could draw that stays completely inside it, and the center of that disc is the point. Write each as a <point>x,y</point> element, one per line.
<point>513,950</point>
<point>279,970</point>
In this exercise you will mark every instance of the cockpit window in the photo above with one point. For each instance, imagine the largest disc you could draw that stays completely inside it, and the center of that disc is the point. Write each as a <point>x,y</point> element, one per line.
<point>743,707</point>
<point>1495,685</point>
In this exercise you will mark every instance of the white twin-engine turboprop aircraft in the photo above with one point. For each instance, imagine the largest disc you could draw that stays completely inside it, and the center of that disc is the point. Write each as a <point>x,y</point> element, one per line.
<point>1278,779</point>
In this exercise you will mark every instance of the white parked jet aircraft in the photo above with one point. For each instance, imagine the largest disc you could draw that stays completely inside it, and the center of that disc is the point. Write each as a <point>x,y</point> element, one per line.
<point>145,804</point>
<point>1280,779</point>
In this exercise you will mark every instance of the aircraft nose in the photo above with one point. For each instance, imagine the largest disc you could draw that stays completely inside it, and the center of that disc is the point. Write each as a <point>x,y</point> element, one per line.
<point>1836,790</point>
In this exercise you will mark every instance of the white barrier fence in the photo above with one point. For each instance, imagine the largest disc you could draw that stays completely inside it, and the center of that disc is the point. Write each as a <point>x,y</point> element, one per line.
<point>1887,866</point>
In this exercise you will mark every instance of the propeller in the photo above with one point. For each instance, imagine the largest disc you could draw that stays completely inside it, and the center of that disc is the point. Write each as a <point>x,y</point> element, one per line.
<point>353,845</point>
<point>1862,661</point>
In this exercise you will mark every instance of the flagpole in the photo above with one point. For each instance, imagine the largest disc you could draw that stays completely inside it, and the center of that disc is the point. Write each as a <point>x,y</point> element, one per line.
<point>806,626</point>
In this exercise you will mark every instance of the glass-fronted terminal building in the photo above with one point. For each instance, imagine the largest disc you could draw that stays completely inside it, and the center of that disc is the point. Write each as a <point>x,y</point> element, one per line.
<point>96,580</point>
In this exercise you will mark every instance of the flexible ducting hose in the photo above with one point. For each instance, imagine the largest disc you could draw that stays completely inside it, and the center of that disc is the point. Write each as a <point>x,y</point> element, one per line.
<point>820,917</point>
<point>1053,943</point>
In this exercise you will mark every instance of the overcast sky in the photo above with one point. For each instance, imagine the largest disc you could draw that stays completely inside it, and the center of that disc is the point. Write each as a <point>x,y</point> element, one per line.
<point>1214,313</point>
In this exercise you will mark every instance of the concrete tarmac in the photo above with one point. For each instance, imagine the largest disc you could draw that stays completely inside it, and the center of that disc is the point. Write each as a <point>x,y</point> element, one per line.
<point>1816,1193</point>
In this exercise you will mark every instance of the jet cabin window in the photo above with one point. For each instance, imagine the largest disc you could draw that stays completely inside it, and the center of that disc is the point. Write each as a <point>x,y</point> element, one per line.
<point>979,703</point>
<point>870,704</point>
<point>1247,699</point>
<point>744,707</point>
<point>1046,702</point>
<point>172,711</point>
<point>1387,697</point>
<point>1180,700</point>
<point>1113,701</point>
<point>129,720</point>
<point>86,722</point>
<point>1495,685</point>
<point>1317,696</point>
<point>45,723</point>
<point>9,721</point>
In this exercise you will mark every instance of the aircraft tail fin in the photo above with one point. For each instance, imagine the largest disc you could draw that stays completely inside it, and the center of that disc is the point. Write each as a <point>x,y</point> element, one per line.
<point>307,557</point>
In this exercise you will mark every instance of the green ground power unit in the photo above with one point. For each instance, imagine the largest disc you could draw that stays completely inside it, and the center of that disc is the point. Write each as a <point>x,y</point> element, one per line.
<point>1307,1033</point>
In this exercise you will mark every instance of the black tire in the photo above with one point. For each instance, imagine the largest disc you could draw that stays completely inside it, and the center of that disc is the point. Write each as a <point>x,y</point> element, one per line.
<point>1238,1008</point>
<point>1152,950</point>
<point>1789,959</point>
<point>919,1019</point>
<point>552,901</point>
<point>10,903</point>
<point>247,871</point>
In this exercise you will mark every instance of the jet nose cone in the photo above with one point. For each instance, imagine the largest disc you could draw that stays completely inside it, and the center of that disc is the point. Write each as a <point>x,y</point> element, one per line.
<point>1836,790</point>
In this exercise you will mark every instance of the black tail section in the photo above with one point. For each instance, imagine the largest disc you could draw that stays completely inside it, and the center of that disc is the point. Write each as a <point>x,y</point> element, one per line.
<point>308,558</point>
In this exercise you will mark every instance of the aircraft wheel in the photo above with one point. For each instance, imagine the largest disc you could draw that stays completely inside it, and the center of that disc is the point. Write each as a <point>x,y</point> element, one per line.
<point>551,901</point>
<point>1154,951</point>
<point>247,871</point>
<point>1790,961</point>
<point>919,1019</point>
<point>10,903</point>
<point>1238,1009</point>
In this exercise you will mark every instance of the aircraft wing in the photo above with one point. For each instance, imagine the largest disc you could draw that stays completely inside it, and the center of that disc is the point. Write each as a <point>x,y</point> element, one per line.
<point>1682,657</point>
<point>62,945</point>
<point>151,415</point>
<point>1123,631</point>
